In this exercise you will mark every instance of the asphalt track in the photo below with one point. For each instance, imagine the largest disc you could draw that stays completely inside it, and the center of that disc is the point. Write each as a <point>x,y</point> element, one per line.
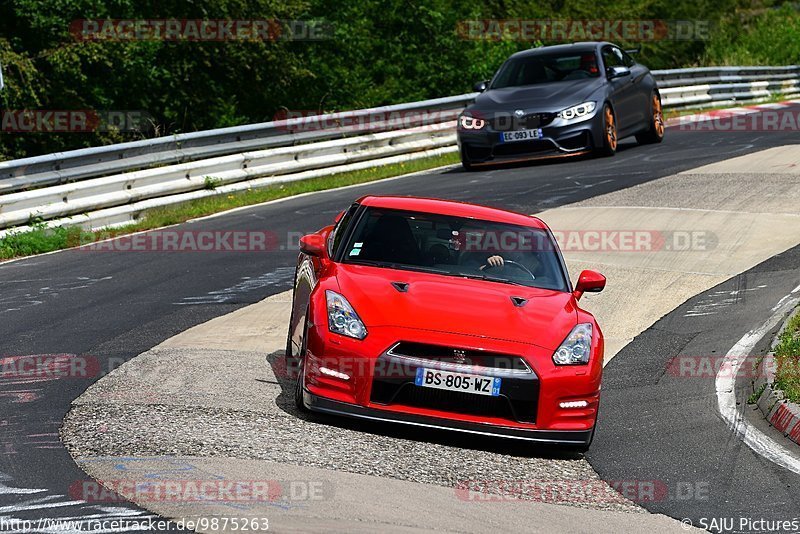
<point>660,420</point>
<point>115,305</point>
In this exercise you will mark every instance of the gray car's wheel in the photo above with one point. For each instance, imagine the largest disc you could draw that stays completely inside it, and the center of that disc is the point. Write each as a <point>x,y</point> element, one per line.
<point>655,133</point>
<point>609,146</point>
<point>465,163</point>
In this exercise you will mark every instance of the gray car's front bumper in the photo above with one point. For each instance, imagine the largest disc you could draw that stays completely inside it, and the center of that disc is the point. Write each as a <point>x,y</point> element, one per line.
<point>485,146</point>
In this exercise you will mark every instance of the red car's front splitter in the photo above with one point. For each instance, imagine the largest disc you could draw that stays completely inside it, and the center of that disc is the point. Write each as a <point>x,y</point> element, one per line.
<point>577,438</point>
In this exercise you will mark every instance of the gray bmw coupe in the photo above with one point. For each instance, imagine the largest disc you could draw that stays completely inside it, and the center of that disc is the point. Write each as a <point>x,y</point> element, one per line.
<point>558,101</point>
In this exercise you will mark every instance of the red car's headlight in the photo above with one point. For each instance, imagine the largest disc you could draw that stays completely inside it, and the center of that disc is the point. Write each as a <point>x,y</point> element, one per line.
<point>342,318</point>
<point>576,348</point>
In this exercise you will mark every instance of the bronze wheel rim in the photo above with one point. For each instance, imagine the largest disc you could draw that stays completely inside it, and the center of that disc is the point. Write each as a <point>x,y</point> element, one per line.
<point>611,129</point>
<point>658,116</point>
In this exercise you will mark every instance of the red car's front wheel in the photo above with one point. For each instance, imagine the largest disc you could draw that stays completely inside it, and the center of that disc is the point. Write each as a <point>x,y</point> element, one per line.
<point>301,373</point>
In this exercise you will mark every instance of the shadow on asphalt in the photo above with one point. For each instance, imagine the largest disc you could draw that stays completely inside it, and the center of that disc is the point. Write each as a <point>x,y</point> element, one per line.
<point>622,147</point>
<point>285,401</point>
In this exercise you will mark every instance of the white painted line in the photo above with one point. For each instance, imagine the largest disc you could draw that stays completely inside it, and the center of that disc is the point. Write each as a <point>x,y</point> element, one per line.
<point>27,507</point>
<point>433,170</point>
<point>726,395</point>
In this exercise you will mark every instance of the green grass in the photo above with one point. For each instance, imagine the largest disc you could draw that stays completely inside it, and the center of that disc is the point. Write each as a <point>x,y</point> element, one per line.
<point>41,239</point>
<point>787,357</point>
<point>753,398</point>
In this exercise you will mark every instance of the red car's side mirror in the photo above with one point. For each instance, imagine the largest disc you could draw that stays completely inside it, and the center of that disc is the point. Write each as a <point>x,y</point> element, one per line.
<point>589,282</point>
<point>313,245</point>
<point>339,216</point>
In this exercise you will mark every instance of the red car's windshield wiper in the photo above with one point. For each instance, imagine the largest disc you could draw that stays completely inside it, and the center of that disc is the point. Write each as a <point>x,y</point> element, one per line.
<point>400,266</point>
<point>424,269</point>
<point>490,279</point>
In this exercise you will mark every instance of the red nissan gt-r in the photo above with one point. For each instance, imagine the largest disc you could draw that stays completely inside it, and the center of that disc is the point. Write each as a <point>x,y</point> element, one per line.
<point>447,315</point>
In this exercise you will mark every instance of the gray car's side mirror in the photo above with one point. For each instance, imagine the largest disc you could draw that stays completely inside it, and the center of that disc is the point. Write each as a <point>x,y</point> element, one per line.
<point>480,86</point>
<point>618,72</point>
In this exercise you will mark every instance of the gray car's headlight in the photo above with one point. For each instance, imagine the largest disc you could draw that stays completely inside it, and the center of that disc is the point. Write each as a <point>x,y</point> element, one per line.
<point>576,349</point>
<point>579,112</point>
<point>342,318</point>
<point>471,123</point>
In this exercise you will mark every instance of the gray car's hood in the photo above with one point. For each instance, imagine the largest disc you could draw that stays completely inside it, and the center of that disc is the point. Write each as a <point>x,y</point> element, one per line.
<point>546,96</point>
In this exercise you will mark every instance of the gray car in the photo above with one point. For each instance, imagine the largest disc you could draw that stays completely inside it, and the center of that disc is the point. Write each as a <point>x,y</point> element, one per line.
<point>560,101</point>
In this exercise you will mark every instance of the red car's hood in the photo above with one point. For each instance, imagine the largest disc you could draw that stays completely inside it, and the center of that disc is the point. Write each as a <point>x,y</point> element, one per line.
<point>457,305</point>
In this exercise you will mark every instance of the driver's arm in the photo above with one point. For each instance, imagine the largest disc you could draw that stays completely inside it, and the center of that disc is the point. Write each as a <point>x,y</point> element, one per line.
<point>493,261</point>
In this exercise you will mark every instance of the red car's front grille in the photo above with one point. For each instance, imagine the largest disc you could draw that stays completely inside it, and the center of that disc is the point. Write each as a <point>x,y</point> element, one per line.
<point>453,401</point>
<point>519,392</point>
<point>457,356</point>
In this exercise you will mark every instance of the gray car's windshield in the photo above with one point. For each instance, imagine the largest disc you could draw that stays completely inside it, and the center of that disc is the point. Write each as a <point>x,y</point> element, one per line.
<point>546,68</point>
<point>456,246</point>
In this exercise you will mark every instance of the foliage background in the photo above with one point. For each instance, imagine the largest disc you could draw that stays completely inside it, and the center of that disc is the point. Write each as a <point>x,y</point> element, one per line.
<point>383,51</point>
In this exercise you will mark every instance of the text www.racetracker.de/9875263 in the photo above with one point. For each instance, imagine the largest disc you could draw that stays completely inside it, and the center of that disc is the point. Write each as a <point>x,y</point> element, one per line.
<point>206,524</point>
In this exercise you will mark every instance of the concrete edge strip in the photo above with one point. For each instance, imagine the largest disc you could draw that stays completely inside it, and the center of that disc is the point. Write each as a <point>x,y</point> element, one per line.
<point>782,414</point>
<point>726,391</point>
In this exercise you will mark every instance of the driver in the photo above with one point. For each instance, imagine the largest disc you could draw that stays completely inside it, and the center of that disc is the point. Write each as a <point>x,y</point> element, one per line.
<point>484,250</point>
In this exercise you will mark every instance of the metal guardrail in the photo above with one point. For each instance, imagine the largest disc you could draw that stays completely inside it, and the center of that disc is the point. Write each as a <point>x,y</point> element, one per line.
<point>88,195</point>
<point>683,88</point>
<point>111,185</point>
<point>63,167</point>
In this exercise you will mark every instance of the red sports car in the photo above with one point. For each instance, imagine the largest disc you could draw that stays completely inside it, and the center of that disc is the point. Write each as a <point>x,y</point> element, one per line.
<point>446,315</point>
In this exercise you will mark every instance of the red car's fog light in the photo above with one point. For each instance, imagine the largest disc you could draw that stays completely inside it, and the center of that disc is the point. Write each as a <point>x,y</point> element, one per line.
<point>573,404</point>
<point>334,374</point>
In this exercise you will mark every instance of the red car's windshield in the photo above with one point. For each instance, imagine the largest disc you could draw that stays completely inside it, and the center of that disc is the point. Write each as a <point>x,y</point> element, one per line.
<point>456,246</point>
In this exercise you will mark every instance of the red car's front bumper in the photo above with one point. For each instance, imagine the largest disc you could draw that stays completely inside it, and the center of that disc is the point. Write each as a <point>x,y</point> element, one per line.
<point>367,379</point>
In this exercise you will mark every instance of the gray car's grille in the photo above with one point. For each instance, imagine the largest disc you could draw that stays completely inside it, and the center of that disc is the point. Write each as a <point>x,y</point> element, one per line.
<point>530,121</point>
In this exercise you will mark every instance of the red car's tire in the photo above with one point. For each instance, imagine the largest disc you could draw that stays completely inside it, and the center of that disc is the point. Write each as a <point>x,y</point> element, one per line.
<point>301,373</point>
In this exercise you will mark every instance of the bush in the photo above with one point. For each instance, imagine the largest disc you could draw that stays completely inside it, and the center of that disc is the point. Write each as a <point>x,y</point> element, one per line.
<point>382,52</point>
<point>787,357</point>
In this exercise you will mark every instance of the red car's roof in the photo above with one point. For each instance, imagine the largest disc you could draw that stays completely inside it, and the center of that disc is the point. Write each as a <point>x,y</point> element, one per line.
<point>453,208</point>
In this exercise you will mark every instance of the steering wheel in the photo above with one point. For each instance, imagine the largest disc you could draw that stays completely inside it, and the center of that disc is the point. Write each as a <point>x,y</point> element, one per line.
<point>512,263</point>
